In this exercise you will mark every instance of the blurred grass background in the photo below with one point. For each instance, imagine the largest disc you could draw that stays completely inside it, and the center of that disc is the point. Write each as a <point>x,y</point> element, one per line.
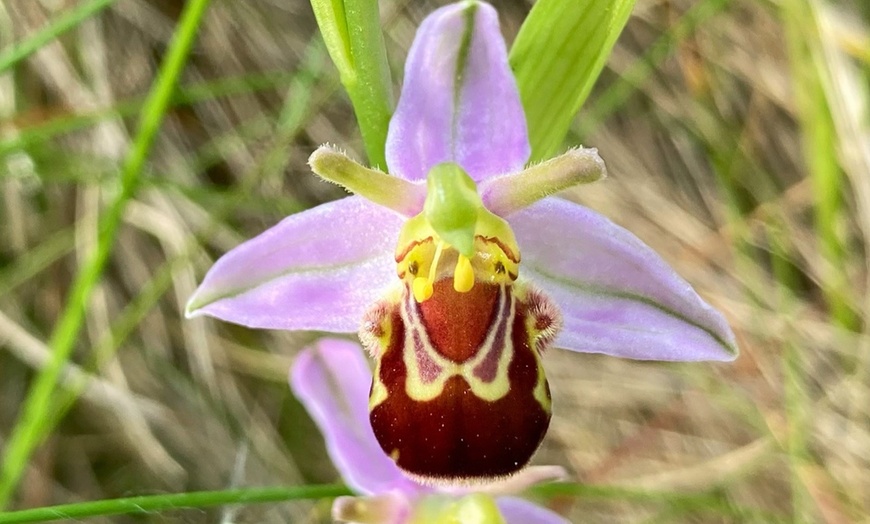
<point>737,136</point>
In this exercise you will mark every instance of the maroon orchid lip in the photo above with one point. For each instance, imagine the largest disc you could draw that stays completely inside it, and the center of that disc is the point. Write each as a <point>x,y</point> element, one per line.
<point>474,403</point>
<point>331,379</point>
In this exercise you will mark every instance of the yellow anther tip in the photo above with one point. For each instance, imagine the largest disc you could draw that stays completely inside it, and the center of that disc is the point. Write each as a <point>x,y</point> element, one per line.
<point>422,289</point>
<point>463,275</point>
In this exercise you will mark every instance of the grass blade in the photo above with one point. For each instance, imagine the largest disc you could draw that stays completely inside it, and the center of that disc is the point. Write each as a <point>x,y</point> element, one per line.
<point>18,52</point>
<point>558,54</point>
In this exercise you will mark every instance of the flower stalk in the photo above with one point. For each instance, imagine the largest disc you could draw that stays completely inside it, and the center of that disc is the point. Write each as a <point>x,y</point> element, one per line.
<point>352,32</point>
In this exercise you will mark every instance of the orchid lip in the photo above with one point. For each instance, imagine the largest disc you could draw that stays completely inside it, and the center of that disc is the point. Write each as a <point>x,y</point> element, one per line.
<point>331,379</point>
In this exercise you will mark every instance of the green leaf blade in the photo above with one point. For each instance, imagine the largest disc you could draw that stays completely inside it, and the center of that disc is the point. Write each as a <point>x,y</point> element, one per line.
<point>557,56</point>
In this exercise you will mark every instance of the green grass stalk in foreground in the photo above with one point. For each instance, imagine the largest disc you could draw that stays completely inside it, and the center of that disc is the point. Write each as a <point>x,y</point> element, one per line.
<point>684,502</point>
<point>31,427</point>
<point>154,503</point>
<point>73,17</point>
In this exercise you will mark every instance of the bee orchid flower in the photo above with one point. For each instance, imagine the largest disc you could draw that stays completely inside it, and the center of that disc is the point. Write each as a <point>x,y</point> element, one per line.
<point>460,266</point>
<point>332,380</point>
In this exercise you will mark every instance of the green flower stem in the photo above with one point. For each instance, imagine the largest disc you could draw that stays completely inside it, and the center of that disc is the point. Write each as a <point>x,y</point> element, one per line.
<point>18,52</point>
<point>558,54</point>
<point>154,503</point>
<point>352,32</point>
<point>32,426</point>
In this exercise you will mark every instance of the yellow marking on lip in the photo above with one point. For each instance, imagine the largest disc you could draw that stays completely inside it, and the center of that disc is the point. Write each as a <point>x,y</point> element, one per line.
<point>379,391</point>
<point>421,391</point>
<point>540,392</point>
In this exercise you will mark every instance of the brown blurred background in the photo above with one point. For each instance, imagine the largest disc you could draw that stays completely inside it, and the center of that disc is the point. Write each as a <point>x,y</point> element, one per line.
<point>706,117</point>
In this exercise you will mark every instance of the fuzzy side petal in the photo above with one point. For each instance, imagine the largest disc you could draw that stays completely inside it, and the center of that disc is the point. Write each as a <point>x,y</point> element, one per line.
<point>617,295</point>
<point>319,269</point>
<point>332,380</point>
<point>459,102</point>
<point>519,511</point>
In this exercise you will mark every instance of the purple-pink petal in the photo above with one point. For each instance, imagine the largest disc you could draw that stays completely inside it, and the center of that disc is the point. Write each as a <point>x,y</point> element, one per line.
<point>519,511</point>
<point>332,381</point>
<point>617,295</point>
<point>459,102</point>
<point>319,269</point>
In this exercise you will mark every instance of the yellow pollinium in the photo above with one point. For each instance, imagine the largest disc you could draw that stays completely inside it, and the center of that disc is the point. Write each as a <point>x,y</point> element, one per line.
<point>463,275</point>
<point>423,287</point>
